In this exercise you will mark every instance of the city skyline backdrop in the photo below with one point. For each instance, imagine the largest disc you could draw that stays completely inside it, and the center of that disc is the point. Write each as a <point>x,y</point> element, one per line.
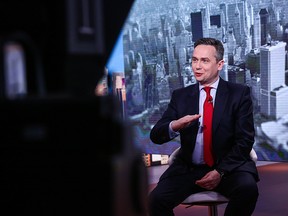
<point>157,44</point>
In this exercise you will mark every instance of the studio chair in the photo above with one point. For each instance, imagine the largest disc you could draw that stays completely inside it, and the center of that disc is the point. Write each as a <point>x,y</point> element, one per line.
<point>211,199</point>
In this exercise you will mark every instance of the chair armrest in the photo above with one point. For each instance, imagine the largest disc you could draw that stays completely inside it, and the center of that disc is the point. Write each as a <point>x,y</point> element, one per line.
<point>173,155</point>
<point>253,155</point>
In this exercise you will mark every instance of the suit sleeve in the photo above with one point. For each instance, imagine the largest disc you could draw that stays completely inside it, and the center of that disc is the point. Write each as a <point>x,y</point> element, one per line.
<point>160,131</point>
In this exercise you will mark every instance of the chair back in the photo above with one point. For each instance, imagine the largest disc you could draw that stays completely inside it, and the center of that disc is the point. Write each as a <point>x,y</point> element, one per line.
<point>253,155</point>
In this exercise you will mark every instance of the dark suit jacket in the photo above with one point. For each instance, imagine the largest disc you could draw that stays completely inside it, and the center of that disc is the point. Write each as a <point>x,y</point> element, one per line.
<point>233,126</point>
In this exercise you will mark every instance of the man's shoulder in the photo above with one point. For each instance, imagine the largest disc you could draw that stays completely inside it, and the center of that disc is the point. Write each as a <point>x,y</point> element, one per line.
<point>191,89</point>
<point>232,85</point>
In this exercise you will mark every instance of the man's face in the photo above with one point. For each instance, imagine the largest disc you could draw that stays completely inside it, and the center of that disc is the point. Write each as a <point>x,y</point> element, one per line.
<point>204,64</point>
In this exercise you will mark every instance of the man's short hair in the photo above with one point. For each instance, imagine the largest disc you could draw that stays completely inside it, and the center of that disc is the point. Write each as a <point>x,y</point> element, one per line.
<point>212,42</point>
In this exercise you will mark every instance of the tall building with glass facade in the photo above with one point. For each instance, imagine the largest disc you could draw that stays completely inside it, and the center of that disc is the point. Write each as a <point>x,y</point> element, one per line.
<point>272,72</point>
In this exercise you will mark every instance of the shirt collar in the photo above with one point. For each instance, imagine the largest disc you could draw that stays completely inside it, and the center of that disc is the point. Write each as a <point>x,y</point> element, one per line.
<point>214,85</point>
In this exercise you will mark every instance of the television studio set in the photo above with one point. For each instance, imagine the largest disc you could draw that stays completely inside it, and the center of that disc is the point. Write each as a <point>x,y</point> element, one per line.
<point>83,82</point>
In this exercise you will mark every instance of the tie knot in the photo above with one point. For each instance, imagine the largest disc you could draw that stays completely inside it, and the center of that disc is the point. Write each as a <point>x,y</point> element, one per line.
<point>208,96</point>
<point>207,89</point>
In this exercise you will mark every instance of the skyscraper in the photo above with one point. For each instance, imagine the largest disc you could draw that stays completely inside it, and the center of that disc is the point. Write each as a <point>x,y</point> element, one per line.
<point>272,72</point>
<point>196,25</point>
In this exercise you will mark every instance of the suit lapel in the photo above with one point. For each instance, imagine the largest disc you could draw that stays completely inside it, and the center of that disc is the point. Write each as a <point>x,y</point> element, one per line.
<point>190,103</point>
<point>193,96</point>
<point>220,103</point>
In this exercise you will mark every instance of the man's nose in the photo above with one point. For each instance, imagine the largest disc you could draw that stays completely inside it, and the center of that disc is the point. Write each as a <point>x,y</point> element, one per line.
<point>198,65</point>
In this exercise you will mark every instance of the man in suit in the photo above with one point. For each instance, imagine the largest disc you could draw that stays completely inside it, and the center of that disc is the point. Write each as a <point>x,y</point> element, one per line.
<point>232,173</point>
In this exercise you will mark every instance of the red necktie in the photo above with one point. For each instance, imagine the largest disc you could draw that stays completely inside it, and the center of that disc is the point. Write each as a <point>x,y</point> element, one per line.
<point>207,123</point>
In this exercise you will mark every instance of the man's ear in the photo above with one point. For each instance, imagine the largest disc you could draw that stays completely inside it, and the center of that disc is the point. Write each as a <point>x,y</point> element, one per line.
<point>220,64</point>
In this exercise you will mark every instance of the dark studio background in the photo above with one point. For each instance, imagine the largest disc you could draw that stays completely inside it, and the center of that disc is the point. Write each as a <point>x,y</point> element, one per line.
<point>44,29</point>
<point>63,149</point>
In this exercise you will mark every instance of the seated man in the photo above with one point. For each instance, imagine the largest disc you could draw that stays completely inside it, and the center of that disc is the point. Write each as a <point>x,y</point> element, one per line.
<point>214,119</point>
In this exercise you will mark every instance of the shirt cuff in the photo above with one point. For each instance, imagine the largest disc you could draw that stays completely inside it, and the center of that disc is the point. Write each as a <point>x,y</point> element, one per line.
<point>172,133</point>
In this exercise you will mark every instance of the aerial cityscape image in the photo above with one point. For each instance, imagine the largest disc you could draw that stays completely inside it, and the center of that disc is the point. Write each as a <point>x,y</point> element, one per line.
<point>158,38</point>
